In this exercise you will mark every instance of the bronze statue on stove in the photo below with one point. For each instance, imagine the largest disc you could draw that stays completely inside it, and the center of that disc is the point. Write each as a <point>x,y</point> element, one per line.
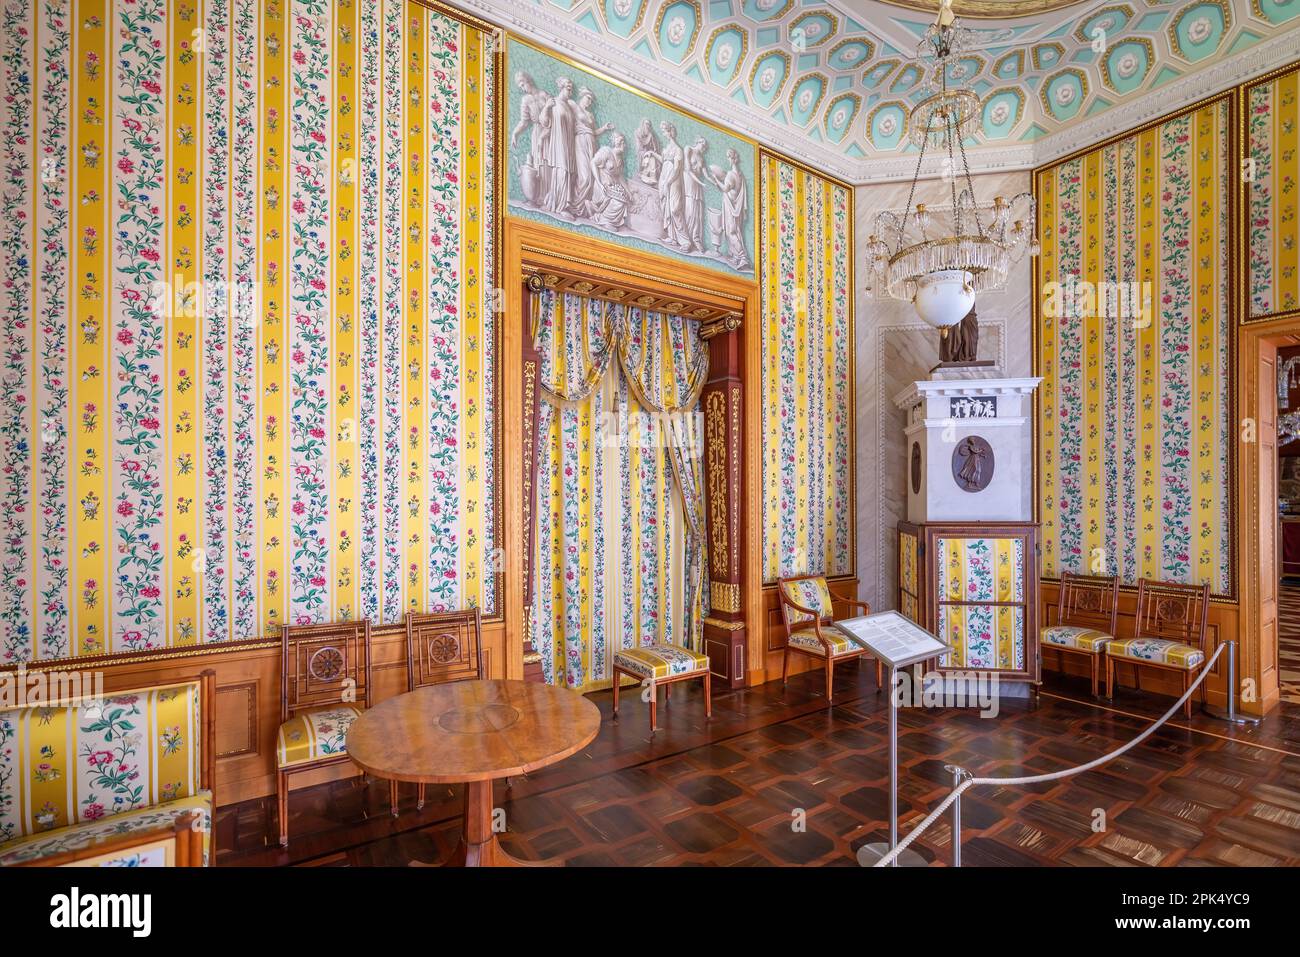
<point>961,344</point>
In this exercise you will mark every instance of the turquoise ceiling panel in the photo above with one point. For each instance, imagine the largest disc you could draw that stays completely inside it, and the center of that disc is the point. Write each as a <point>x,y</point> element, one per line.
<point>762,11</point>
<point>678,29</point>
<point>1003,110</point>
<point>840,114</point>
<point>806,97</point>
<point>623,17</point>
<point>1126,65</point>
<point>725,53</point>
<point>1199,28</point>
<point>850,54</point>
<point>810,30</point>
<point>1277,11</point>
<point>887,125</point>
<point>1064,93</point>
<point>768,78</point>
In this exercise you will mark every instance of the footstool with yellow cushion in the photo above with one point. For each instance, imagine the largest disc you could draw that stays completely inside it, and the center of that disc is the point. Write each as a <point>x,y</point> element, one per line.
<point>662,664</point>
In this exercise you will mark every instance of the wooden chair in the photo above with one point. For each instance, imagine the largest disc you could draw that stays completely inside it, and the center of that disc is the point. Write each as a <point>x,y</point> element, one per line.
<point>324,687</point>
<point>440,647</point>
<point>805,608</point>
<point>1169,634</point>
<point>1087,610</point>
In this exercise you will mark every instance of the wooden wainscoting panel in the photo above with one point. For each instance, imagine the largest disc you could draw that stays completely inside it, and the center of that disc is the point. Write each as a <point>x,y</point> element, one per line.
<point>248,697</point>
<point>237,719</point>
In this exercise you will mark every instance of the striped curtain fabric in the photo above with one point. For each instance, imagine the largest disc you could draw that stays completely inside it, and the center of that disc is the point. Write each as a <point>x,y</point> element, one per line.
<point>619,559</point>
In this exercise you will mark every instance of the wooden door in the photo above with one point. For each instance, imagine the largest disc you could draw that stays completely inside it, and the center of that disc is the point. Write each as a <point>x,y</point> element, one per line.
<point>1269,522</point>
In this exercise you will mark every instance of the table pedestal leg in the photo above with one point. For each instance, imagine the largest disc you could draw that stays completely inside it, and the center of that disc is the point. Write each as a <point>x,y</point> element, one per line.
<point>478,845</point>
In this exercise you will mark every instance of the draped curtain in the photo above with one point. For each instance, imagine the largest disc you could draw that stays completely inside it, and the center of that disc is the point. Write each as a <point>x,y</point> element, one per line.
<point>620,513</point>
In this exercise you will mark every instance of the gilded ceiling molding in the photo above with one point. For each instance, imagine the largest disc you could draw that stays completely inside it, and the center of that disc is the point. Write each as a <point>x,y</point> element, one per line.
<point>553,28</point>
<point>989,9</point>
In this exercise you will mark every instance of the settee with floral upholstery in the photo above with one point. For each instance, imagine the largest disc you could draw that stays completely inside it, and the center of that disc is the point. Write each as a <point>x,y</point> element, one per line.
<point>122,780</point>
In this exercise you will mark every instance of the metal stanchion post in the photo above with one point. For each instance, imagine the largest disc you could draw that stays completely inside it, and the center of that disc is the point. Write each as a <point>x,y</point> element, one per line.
<point>959,774</point>
<point>1230,715</point>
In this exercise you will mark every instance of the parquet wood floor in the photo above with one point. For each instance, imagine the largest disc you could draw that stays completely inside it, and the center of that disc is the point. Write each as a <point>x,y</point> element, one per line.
<point>778,778</point>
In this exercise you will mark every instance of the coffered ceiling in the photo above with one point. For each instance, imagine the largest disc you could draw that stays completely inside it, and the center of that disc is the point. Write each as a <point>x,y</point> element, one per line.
<point>832,81</point>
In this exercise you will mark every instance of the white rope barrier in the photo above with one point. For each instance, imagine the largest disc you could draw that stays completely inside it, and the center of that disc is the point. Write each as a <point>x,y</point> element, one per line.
<point>970,782</point>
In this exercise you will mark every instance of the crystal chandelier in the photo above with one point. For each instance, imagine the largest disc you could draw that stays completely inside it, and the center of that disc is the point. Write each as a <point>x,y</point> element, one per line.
<point>939,257</point>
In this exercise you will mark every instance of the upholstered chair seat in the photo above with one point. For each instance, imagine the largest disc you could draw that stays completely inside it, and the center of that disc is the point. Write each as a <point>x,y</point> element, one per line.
<point>660,661</point>
<point>1076,637</point>
<point>312,735</point>
<point>805,639</point>
<point>1168,633</point>
<point>1171,654</point>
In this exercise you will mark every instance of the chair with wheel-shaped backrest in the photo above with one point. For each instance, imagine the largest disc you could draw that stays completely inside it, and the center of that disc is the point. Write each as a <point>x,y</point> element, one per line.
<point>1087,610</point>
<point>441,646</point>
<point>324,687</point>
<point>1169,634</point>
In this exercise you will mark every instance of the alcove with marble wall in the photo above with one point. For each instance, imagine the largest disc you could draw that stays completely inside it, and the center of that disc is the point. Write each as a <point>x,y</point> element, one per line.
<point>895,348</point>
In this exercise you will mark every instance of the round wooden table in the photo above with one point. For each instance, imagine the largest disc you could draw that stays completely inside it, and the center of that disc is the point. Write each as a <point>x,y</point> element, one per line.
<point>471,733</point>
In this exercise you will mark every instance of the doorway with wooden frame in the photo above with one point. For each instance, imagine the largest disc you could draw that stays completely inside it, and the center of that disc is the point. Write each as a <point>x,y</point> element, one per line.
<point>541,263</point>
<point>1270,496</point>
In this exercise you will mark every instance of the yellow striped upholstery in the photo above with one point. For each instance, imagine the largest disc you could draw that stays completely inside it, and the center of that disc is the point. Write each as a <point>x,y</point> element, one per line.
<point>1156,650</point>
<point>805,639</point>
<point>78,836</point>
<point>660,661</point>
<point>84,760</point>
<point>1090,640</point>
<point>809,593</point>
<point>313,735</point>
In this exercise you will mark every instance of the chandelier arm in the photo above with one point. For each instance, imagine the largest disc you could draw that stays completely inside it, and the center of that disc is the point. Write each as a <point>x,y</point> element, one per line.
<point>970,184</point>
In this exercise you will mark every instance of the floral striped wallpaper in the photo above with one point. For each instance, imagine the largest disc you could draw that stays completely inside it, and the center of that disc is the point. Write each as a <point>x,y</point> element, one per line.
<point>248,374</point>
<point>1273,194</point>
<point>808,505</point>
<point>1134,410</point>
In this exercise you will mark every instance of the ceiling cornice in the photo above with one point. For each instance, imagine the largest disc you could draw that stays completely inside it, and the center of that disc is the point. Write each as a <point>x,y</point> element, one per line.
<point>552,30</point>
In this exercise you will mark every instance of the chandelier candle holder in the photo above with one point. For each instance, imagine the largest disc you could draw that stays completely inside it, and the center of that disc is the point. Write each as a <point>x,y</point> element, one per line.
<point>939,258</point>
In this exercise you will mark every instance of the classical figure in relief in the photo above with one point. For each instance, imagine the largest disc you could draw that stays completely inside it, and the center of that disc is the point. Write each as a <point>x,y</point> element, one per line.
<point>648,157</point>
<point>609,194</point>
<point>587,137</point>
<point>672,196</point>
<point>729,222</point>
<point>534,119</point>
<point>693,189</point>
<point>563,155</point>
